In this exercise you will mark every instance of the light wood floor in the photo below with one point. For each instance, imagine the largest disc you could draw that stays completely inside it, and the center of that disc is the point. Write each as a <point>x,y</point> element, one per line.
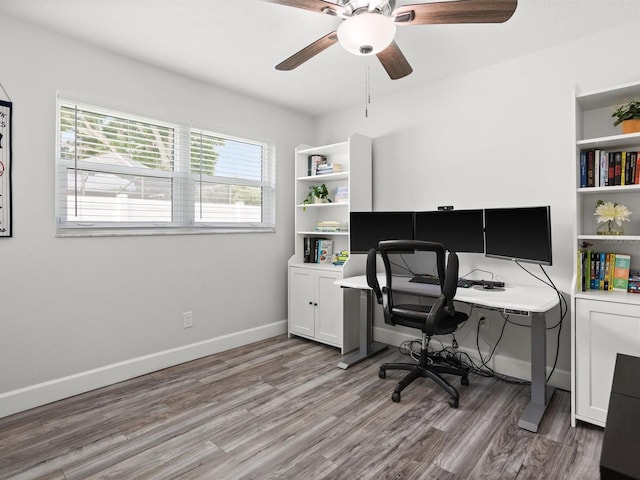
<point>281,409</point>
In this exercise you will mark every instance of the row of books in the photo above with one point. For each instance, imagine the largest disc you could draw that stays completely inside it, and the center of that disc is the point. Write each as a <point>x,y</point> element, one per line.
<point>317,250</point>
<point>342,195</point>
<point>605,271</point>
<point>606,169</point>
<point>320,165</point>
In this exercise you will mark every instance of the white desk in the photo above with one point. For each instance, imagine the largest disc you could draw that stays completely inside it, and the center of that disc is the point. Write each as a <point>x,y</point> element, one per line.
<point>530,300</point>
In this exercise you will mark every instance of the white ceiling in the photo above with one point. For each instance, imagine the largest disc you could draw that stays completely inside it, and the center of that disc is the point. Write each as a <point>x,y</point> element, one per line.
<point>237,43</point>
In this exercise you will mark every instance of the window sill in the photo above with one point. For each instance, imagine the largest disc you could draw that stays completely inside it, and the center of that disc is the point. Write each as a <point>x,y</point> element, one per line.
<point>71,232</point>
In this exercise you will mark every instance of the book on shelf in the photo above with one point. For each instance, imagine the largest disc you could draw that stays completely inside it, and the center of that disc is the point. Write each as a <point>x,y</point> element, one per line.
<point>310,249</point>
<point>342,195</point>
<point>314,161</point>
<point>621,273</point>
<point>599,168</point>
<point>324,169</point>
<point>307,249</point>
<point>317,250</point>
<point>325,251</point>
<point>634,281</point>
<point>341,257</point>
<point>331,226</point>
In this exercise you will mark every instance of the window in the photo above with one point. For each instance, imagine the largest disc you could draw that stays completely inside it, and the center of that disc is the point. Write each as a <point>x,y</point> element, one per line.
<point>117,173</point>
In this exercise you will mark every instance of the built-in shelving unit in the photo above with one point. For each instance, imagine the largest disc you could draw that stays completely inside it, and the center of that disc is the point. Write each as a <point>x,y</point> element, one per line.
<point>316,304</point>
<point>604,323</point>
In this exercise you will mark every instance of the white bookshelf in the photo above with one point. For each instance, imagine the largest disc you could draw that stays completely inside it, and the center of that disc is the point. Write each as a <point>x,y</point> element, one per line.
<point>317,306</point>
<point>603,323</point>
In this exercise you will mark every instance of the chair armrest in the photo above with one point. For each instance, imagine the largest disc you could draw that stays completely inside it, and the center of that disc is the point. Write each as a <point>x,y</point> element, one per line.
<point>438,310</point>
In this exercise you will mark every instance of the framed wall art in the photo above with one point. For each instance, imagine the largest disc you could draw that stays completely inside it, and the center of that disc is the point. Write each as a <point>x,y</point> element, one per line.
<point>5,168</point>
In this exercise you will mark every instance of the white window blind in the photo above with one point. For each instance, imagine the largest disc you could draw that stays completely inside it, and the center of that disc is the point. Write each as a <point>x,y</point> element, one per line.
<point>121,173</point>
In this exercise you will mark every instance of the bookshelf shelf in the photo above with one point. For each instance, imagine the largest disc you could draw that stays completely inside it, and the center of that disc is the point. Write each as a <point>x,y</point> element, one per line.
<point>612,239</point>
<point>603,322</point>
<point>612,189</point>
<point>618,297</point>
<point>323,205</point>
<point>317,233</point>
<point>611,141</point>
<point>329,177</point>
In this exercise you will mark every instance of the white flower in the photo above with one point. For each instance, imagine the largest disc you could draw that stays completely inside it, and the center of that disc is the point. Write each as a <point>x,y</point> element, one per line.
<point>608,211</point>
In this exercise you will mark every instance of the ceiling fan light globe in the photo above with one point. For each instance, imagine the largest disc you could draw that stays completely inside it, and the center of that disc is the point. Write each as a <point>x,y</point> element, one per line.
<point>366,33</point>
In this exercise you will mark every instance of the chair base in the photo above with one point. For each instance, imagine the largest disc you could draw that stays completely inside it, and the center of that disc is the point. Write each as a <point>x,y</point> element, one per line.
<point>426,370</point>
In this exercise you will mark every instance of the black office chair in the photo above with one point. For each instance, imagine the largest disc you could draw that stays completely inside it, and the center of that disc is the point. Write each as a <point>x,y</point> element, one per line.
<point>440,318</point>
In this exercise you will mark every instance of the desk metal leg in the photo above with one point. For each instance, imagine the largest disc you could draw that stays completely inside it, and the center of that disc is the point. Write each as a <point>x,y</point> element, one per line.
<point>540,392</point>
<point>367,346</point>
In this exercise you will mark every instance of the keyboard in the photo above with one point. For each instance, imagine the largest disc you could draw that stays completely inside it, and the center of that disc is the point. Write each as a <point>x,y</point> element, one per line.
<point>433,280</point>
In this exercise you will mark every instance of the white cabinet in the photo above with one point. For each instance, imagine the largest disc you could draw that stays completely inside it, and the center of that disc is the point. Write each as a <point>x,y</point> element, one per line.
<point>316,304</point>
<point>603,329</point>
<point>603,322</point>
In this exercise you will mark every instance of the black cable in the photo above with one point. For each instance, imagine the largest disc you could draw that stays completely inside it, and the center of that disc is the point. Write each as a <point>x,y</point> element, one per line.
<point>562,302</point>
<point>493,350</point>
<point>477,270</point>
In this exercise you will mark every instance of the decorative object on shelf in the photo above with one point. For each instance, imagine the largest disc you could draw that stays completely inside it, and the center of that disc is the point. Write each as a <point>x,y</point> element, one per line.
<point>610,217</point>
<point>628,115</point>
<point>317,194</point>
<point>5,167</point>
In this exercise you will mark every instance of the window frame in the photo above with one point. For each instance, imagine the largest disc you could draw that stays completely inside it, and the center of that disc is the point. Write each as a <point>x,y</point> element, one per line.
<point>183,184</point>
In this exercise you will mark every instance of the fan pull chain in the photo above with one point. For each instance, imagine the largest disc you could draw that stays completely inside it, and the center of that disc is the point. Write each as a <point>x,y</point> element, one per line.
<point>367,93</point>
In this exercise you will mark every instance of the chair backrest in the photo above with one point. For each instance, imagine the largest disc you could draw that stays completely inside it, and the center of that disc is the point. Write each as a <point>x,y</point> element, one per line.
<point>446,268</point>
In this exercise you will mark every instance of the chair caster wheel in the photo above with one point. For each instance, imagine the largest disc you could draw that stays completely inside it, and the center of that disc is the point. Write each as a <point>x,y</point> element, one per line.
<point>382,373</point>
<point>464,381</point>
<point>395,396</point>
<point>453,402</point>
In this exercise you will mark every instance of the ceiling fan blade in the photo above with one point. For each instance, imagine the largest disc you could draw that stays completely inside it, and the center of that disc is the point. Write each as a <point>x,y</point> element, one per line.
<point>308,52</point>
<point>319,6</point>
<point>394,61</point>
<point>461,11</point>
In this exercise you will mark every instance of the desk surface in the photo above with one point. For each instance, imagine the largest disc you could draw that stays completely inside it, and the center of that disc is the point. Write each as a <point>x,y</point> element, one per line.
<point>518,297</point>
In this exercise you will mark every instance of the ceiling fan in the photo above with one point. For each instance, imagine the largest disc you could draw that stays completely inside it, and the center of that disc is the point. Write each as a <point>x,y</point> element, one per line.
<point>369,26</point>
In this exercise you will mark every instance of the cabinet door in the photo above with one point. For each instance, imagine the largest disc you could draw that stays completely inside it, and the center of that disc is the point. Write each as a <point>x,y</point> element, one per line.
<point>301,301</point>
<point>603,329</point>
<point>329,309</point>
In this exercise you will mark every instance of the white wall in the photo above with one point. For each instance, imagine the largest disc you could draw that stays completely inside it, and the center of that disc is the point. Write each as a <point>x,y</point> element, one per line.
<point>499,136</point>
<point>77,313</point>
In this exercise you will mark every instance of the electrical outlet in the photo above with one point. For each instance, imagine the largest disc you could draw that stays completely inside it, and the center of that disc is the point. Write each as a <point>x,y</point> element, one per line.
<point>187,319</point>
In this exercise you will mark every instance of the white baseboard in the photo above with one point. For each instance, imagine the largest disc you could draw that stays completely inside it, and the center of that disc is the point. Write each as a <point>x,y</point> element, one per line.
<point>50,391</point>
<point>508,366</point>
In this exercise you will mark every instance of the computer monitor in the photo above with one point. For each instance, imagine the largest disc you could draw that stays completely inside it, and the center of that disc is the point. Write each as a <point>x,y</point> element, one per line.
<point>522,233</point>
<point>457,230</point>
<point>366,229</point>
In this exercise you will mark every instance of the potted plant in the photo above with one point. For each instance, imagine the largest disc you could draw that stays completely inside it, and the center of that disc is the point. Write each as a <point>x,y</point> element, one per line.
<point>629,116</point>
<point>317,194</point>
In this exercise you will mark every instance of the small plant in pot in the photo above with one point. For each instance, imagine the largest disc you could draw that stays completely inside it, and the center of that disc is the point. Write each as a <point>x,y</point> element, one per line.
<point>628,115</point>
<point>317,194</point>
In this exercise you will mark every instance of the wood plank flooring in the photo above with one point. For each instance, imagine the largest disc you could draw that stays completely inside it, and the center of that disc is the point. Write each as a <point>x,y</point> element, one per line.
<point>281,409</point>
